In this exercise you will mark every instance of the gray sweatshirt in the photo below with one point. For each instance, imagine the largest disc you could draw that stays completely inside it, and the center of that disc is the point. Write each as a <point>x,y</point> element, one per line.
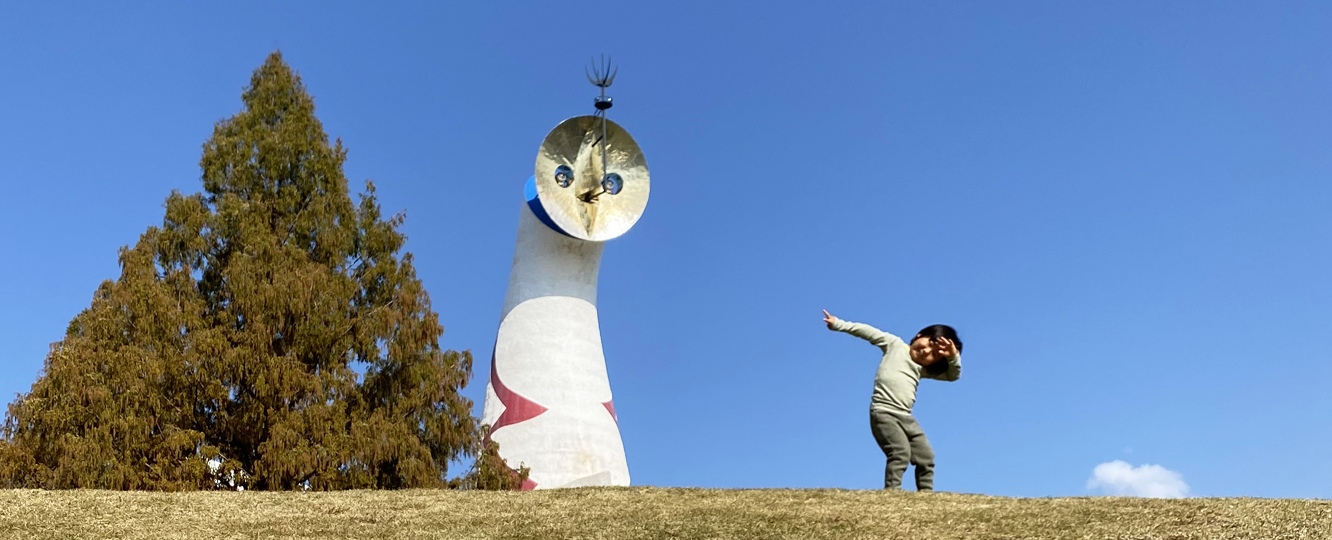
<point>895,383</point>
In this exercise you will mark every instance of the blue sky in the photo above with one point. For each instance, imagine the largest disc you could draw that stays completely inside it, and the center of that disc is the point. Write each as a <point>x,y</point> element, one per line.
<point>1123,207</point>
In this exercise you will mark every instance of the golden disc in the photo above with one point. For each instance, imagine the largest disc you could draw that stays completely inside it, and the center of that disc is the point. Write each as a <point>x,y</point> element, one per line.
<point>583,209</point>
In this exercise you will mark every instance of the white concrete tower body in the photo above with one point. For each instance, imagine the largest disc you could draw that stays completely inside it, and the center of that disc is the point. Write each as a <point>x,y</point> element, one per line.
<point>548,400</point>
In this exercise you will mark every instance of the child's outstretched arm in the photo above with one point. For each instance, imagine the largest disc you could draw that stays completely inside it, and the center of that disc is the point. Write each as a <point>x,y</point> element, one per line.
<point>866,332</point>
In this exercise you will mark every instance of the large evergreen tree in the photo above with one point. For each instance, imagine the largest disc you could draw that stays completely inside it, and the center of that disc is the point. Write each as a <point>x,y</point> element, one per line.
<point>224,353</point>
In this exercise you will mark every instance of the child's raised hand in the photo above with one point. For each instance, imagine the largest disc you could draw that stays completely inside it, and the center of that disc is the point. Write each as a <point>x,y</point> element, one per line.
<point>945,347</point>
<point>828,318</point>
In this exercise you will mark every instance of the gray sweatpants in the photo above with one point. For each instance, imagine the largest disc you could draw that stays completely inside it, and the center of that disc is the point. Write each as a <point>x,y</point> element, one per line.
<point>903,442</point>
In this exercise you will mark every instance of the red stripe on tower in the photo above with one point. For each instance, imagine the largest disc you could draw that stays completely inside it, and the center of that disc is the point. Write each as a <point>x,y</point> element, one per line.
<point>516,407</point>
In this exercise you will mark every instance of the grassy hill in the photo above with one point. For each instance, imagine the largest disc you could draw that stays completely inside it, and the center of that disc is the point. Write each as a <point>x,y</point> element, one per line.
<point>643,512</point>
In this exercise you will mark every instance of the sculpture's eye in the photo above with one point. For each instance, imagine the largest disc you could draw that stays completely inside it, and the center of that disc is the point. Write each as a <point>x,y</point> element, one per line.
<point>612,183</point>
<point>563,176</point>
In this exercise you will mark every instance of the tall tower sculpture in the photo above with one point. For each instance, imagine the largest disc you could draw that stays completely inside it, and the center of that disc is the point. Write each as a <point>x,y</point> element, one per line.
<point>548,402</point>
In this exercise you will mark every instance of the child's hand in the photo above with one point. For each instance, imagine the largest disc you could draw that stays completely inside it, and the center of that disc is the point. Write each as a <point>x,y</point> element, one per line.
<point>828,318</point>
<point>945,348</point>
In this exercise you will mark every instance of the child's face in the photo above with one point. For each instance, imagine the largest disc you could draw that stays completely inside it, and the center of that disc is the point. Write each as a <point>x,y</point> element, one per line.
<point>923,352</point>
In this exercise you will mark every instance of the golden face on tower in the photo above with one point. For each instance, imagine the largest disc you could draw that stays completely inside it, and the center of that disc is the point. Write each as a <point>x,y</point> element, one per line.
<point>588,198</point>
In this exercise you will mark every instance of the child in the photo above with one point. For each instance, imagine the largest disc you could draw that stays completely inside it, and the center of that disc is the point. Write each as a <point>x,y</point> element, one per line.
<point>935,352</point>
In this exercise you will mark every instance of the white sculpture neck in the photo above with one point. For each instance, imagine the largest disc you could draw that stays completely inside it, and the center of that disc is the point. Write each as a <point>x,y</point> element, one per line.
<point>547,263</point>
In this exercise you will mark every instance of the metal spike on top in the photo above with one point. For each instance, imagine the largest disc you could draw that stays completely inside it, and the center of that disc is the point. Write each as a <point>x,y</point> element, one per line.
<point>601,75</point>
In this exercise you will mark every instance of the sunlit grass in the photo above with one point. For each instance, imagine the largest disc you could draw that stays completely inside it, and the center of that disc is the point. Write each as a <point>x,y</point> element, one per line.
<point>642,512</point>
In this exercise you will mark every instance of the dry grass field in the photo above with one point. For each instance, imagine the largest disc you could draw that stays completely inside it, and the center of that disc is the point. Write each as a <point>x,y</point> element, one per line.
<point>643,512</point>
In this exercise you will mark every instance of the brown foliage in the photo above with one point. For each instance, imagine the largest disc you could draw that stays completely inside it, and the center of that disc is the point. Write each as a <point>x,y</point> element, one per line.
<point>224,354</point>
<point>490,472</point>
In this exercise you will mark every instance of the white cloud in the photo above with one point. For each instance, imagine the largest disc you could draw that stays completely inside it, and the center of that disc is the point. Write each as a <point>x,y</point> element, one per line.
<point>1119,478</point>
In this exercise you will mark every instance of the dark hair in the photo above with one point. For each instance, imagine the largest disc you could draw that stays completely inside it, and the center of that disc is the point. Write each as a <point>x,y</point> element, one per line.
<point>936,331</point>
